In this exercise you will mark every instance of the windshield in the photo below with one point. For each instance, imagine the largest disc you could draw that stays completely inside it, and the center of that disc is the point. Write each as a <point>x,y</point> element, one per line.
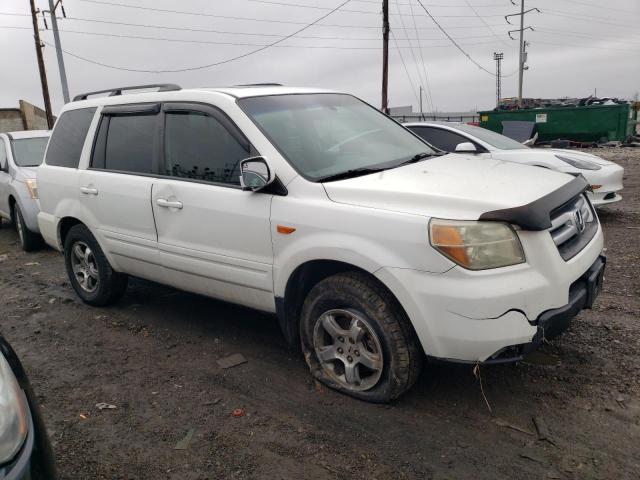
<point>322,135</point>
<point>29,152</point>
<point>492,138</point>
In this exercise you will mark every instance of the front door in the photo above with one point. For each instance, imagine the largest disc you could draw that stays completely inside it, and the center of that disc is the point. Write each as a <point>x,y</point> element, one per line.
<point>214,238</point>
<point>116,189</point>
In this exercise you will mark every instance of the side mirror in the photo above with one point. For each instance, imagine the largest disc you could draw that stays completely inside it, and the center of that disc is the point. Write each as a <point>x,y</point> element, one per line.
<point>255,174</point>
<point>466,147</point>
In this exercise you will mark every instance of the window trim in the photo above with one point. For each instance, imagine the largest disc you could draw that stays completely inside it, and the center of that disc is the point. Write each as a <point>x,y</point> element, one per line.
<point>134,109</point>
<point>163,108</point>
<point>214,112</point>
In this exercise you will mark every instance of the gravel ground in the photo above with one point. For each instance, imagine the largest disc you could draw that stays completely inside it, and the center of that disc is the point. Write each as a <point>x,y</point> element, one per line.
<point>154,357</point>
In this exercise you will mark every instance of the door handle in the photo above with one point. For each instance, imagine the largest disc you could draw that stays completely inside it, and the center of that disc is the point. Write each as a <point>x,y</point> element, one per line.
<point>89,190</point>
<point>163,202</point>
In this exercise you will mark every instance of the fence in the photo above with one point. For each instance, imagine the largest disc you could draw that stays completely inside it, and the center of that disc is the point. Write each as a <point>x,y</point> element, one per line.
<point>436,118</point>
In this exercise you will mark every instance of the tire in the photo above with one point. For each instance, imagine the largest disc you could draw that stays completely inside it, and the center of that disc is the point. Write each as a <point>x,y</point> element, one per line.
<point>377,365</point>
<point>89,271</point>
<point>29,241</point>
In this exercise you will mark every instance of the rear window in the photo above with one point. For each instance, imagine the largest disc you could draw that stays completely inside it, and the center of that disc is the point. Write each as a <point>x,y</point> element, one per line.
<point>68,138</point>
<point>29,152</point>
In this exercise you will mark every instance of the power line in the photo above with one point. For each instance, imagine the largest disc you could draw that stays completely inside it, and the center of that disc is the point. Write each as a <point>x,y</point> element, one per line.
<point>301,5</point>
<point>424,68</point>
<point>489,5</point>
<point>413,88</point>
<point>556,13</point>
<point>502,40</point>
<point>406,33</point>
<point>238,44</point>
<point>368,27</point>
<point>607,7</point>
<point>455,43</point>
<point>585,46</point>
<point>578,35</point>
<point>238,57</point>
<point>113,4</point>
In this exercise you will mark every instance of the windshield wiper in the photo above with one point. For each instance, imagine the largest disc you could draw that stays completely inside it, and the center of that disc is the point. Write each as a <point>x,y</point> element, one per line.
<point>420,156</point>
<point>355,172</point>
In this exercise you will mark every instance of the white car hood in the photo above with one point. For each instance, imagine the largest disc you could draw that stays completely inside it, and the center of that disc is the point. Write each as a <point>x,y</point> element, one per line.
<point>452,186</point>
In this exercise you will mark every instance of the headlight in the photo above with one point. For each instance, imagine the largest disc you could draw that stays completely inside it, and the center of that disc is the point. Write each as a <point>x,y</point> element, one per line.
<point>579,163</point>
<point>476,245</point>
<point>13,413</point>
<point>33,188</point>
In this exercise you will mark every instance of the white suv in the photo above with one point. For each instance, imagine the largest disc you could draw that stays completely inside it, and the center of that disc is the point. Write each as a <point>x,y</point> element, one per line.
<point>371,248</point>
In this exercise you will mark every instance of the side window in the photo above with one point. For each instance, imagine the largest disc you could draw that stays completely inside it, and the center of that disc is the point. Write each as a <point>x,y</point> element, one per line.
<point>439,138</point>
<point>126,143</point>
<point>3,155</point>
<point>68,137</point>
<point>199,147</point>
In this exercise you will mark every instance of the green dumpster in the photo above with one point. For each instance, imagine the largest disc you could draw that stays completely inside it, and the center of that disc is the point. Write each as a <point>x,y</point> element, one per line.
<point>581,124</point>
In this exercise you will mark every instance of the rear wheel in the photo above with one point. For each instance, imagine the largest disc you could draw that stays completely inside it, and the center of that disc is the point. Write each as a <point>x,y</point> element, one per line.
<point>357,339</point>
<point>90,273</point>
<point>29,241</point>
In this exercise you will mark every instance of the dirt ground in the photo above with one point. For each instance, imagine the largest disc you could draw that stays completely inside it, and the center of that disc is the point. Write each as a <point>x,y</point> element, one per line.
<point>154,357</point>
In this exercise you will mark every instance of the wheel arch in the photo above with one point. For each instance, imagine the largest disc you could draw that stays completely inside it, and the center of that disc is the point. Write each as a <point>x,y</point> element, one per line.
<point>64,226</point>
<point>303,278</point>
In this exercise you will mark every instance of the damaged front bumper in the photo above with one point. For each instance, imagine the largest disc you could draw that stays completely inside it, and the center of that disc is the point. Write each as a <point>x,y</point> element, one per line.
<point>582,294</point>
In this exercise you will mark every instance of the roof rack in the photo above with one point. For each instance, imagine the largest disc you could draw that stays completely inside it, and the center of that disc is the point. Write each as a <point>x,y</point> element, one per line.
<point>260,85</point>
<point>162,87</point>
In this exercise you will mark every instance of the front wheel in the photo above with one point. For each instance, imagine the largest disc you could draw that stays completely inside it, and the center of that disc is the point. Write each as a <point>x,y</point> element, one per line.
<point>357,339</point>
<point>90,273</point>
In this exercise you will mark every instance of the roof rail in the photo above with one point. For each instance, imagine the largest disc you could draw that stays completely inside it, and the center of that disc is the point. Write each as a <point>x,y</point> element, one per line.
<point>260,85</point>
<point>162,87</point>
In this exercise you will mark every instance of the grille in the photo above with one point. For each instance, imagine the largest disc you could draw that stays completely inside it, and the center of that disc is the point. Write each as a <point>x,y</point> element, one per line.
<point>573,225</point>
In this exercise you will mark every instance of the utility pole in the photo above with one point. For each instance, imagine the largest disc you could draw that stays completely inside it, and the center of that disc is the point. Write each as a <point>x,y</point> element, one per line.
<point>522,54</point>
<point>56,36</point>
<point>43,73</point>
<point>521,61</point>
<point>385,56</point>
<point>498,58</point>
<point>421,114</point>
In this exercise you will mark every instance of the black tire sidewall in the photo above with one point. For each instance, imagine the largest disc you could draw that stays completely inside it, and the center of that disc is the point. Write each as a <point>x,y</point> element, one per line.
<point>325,297</point>
<point>102,295</point>
<point>28,240</point>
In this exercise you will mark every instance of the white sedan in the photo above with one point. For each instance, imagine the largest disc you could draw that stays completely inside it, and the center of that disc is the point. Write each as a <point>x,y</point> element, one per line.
<point>605,177</point>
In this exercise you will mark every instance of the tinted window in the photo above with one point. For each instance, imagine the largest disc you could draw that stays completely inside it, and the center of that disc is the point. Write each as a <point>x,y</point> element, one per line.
<point>492,138</point>
<point>198,146</point>
<point>3,155</point>
<point>29,152</point>
<point>68,137</point>
<point>442,139</point>
<point>130,143</point>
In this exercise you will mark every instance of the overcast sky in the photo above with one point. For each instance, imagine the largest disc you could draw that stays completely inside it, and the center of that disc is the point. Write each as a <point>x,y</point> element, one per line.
<point>577,46</point>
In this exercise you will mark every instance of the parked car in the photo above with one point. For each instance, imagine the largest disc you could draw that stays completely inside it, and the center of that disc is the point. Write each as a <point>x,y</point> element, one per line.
<point>25,452</point>
<point>20,155</point>
<point>604,177</point>
<point>371,248</point>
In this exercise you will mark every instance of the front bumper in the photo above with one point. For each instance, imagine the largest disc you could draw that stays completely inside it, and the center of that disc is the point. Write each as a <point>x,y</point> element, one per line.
<point>479,316</point>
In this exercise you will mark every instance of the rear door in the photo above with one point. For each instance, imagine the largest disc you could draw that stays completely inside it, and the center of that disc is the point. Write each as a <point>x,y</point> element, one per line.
<point>214,238</point>
<point>116,188</point>
<point>5,178</point>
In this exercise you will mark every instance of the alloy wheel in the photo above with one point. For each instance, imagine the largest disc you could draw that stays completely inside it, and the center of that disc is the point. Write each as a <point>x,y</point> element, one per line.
<point>85,267</point>
<point>348,349</point>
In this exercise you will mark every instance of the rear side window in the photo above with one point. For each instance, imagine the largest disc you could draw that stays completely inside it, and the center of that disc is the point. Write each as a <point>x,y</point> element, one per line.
<point>126,143</point>
<point>3,155</point>
<point>68,138</point>
<point>199,147</point>
<point>442,139</point>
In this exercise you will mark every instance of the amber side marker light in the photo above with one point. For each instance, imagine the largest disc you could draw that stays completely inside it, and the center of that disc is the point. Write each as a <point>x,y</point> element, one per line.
<point>595,187</point>
<point>285,230</point>
<point>449,241</point>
